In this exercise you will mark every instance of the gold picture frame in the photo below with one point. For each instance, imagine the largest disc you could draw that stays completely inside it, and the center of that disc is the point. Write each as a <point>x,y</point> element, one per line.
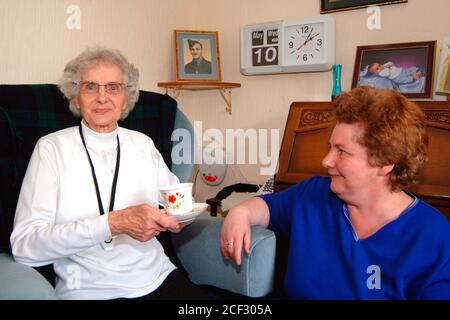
<point>197,55</point>
<point>443,74</point>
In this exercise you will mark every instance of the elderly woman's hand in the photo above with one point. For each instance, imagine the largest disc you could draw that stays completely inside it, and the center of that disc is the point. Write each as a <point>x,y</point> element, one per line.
<point>141,222</point>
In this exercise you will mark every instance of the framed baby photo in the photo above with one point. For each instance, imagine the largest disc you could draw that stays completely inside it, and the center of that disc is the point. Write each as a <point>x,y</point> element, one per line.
<point>197,55</point>
<point>327,6</point>
<point>404,67</point>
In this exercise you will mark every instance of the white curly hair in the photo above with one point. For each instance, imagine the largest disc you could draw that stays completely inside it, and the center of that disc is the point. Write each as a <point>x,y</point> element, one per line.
<point>68,83</point>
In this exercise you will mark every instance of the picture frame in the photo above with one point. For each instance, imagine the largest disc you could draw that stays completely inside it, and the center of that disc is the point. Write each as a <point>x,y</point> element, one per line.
<point>443,70</point>
<point>197,56</point>
<point>407,68</point>
<point>327,6</point>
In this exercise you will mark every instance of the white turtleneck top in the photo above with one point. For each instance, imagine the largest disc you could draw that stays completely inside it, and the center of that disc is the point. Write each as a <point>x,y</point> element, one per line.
<point>57,217</point>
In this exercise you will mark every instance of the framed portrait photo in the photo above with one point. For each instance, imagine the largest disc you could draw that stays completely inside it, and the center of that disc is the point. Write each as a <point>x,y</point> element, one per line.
<point>404,67</point>
<point>327,6</point>
<point>197,55</point>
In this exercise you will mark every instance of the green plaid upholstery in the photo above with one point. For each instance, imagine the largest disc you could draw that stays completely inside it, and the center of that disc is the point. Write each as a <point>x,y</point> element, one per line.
<point>28,112</point>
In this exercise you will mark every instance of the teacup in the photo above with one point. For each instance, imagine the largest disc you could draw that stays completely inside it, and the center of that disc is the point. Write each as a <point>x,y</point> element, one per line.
<point>177,198</point>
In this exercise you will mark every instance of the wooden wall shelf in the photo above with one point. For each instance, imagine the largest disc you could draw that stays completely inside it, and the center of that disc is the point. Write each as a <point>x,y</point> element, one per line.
<point>174,88</point>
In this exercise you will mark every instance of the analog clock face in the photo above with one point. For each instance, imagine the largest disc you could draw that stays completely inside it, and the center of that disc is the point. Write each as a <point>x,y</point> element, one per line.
<point>304,44</point>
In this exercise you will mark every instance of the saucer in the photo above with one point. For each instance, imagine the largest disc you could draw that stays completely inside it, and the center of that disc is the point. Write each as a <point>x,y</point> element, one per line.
<point>198,209</point>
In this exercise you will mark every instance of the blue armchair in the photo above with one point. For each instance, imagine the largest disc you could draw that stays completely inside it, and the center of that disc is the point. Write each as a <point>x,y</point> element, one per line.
<point>30,111</point>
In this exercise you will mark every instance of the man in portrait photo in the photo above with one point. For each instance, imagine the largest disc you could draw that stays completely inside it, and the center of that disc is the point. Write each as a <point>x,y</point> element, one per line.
<point>198,65</point>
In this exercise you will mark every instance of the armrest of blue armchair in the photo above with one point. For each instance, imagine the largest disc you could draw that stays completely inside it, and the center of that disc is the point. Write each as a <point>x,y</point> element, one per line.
<point>22,282</point>
<point>198,248</point>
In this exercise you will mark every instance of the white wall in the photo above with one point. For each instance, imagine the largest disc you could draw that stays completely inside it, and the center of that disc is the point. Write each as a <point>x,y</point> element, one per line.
<point>36,44</point>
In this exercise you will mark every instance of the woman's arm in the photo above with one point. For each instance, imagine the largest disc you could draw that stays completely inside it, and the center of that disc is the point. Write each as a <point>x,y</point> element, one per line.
<point>36,238</point>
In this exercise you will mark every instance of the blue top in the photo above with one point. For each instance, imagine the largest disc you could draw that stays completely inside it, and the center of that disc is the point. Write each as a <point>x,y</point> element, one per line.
<point>409,258</point>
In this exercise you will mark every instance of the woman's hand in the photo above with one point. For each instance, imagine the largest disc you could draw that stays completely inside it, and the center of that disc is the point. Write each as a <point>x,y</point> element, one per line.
<point>236,229</point>
<point>235,234</point>
<point>141,222</point>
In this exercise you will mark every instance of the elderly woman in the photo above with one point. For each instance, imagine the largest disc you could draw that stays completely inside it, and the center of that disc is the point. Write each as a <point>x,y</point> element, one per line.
<point>357,234</point>
<point>89,199</point>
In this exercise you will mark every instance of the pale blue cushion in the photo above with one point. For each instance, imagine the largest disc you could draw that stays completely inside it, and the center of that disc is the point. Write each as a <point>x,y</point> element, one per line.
<point>22,282</point>
<point>197,247</point>
<point>184,170</point>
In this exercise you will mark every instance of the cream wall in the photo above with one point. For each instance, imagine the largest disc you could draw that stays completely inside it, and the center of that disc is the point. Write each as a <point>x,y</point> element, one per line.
<point>36,44</point>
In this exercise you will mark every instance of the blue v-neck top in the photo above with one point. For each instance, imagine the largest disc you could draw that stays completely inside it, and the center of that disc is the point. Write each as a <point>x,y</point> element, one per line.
<point>408,258</point>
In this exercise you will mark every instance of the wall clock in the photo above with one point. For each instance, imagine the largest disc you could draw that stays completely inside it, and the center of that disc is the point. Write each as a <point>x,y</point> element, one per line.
<point>300,45</point>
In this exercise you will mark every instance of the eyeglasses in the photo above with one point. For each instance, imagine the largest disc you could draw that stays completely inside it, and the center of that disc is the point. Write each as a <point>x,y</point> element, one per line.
<point>90,87</point>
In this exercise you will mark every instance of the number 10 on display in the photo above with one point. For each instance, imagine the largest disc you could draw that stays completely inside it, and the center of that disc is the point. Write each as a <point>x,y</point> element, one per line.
<point>265,47</point>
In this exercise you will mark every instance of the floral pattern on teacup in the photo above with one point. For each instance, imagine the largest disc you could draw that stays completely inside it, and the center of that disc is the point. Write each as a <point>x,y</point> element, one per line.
<point>175,201</point>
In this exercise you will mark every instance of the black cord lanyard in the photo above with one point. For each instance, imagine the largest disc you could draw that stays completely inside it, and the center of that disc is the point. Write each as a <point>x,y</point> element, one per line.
<point>114,184</point>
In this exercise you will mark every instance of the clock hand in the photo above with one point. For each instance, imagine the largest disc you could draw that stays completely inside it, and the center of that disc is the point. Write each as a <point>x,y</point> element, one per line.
<point>309,35</point>
<point>312,37</point>
<point>308,40</point>
<point>301,46</point>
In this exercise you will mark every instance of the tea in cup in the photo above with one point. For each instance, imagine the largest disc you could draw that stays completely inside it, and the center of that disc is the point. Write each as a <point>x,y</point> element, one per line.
<point>177,198</point>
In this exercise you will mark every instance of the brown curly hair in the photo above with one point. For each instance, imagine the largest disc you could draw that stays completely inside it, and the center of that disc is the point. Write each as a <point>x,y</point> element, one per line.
<point>394,130</point>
